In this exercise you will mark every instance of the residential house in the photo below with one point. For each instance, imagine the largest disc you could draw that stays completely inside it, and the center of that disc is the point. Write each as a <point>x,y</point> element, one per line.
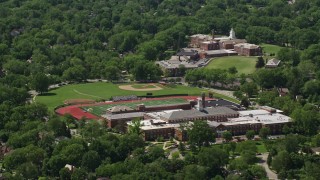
<point>273,63</point>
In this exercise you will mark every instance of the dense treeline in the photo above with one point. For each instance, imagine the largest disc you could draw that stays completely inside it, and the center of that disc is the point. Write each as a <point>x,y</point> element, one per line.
<point>46,42</point>
<point>79,40</point>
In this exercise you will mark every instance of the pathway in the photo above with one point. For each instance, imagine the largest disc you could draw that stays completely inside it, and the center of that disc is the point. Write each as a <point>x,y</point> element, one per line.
<point>263,162</point>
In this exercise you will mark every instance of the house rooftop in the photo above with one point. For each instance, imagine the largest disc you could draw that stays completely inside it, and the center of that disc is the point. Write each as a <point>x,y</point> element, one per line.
<point>315,149</point>
<point>273,62</point>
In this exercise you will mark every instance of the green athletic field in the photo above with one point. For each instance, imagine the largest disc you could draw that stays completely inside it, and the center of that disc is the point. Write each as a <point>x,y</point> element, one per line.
<point>243,64</point>
<point>101,109</point>
<point>104,91</point>
<point>101,90</point>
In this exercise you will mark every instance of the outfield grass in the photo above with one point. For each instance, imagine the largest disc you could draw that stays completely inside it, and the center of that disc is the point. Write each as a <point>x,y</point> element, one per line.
<point>270,48</point>
<point>143,86</point>
<point>101,90</point>
<point>243,64</point>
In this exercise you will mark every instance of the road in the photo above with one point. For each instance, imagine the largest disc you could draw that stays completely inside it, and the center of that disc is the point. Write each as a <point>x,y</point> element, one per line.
<point>263,162</point>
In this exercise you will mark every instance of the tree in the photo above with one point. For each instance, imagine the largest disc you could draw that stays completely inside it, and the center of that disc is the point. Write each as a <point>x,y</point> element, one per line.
<point>79,173</point>
<point>248,145</point>
<point>90,160</point>
<point>92,130</point>
<point>151,49</point>
<point>182,70</point>
<point>112,73</point>
<point>227,136</point>
<point>73,153</point>
<point>250,134</point>
<point>312,170</point>
<point>306,122</point>
<point>316,140</point>
<point>58,127</point>
<point>281,162</point>
<point>15,67</point>
<point>28,170</point>
<point>27,155</point>
<point>311,87</point>
<point>249,88</point>
<point>155,153</point>
<point>260,62</point>
<point>267,97</point>
<point>65,173</point>
<point>265,78</point>
<point>135,126</point>
<point>258,171</point>
<point>238,94</point>
<point>291,143</point>
<point>200,134</point>
<point>233,70</point>
<point>245,102</point>
<point>40,82</point>
<point>248,156</point>
<point>75,73</point>
<point>233,147</point>
<point>194,171</point>
<point>264,132</point>
<point>146,71</point>
<point>213,158</point>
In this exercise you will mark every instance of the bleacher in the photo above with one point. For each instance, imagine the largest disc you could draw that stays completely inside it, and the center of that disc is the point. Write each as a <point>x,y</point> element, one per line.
<point>124,98</point>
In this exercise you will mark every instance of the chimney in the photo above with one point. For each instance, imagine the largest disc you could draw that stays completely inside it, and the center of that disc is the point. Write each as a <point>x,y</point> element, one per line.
<point>203,97</point>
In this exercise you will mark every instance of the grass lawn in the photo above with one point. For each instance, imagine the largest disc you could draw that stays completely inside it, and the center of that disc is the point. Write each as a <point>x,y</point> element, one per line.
<point>243,64</point>
<point>101,90</point>
<point>261,147</point>
<point>159,145</point>
<point>143,86</point>
<point>270,48</point>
